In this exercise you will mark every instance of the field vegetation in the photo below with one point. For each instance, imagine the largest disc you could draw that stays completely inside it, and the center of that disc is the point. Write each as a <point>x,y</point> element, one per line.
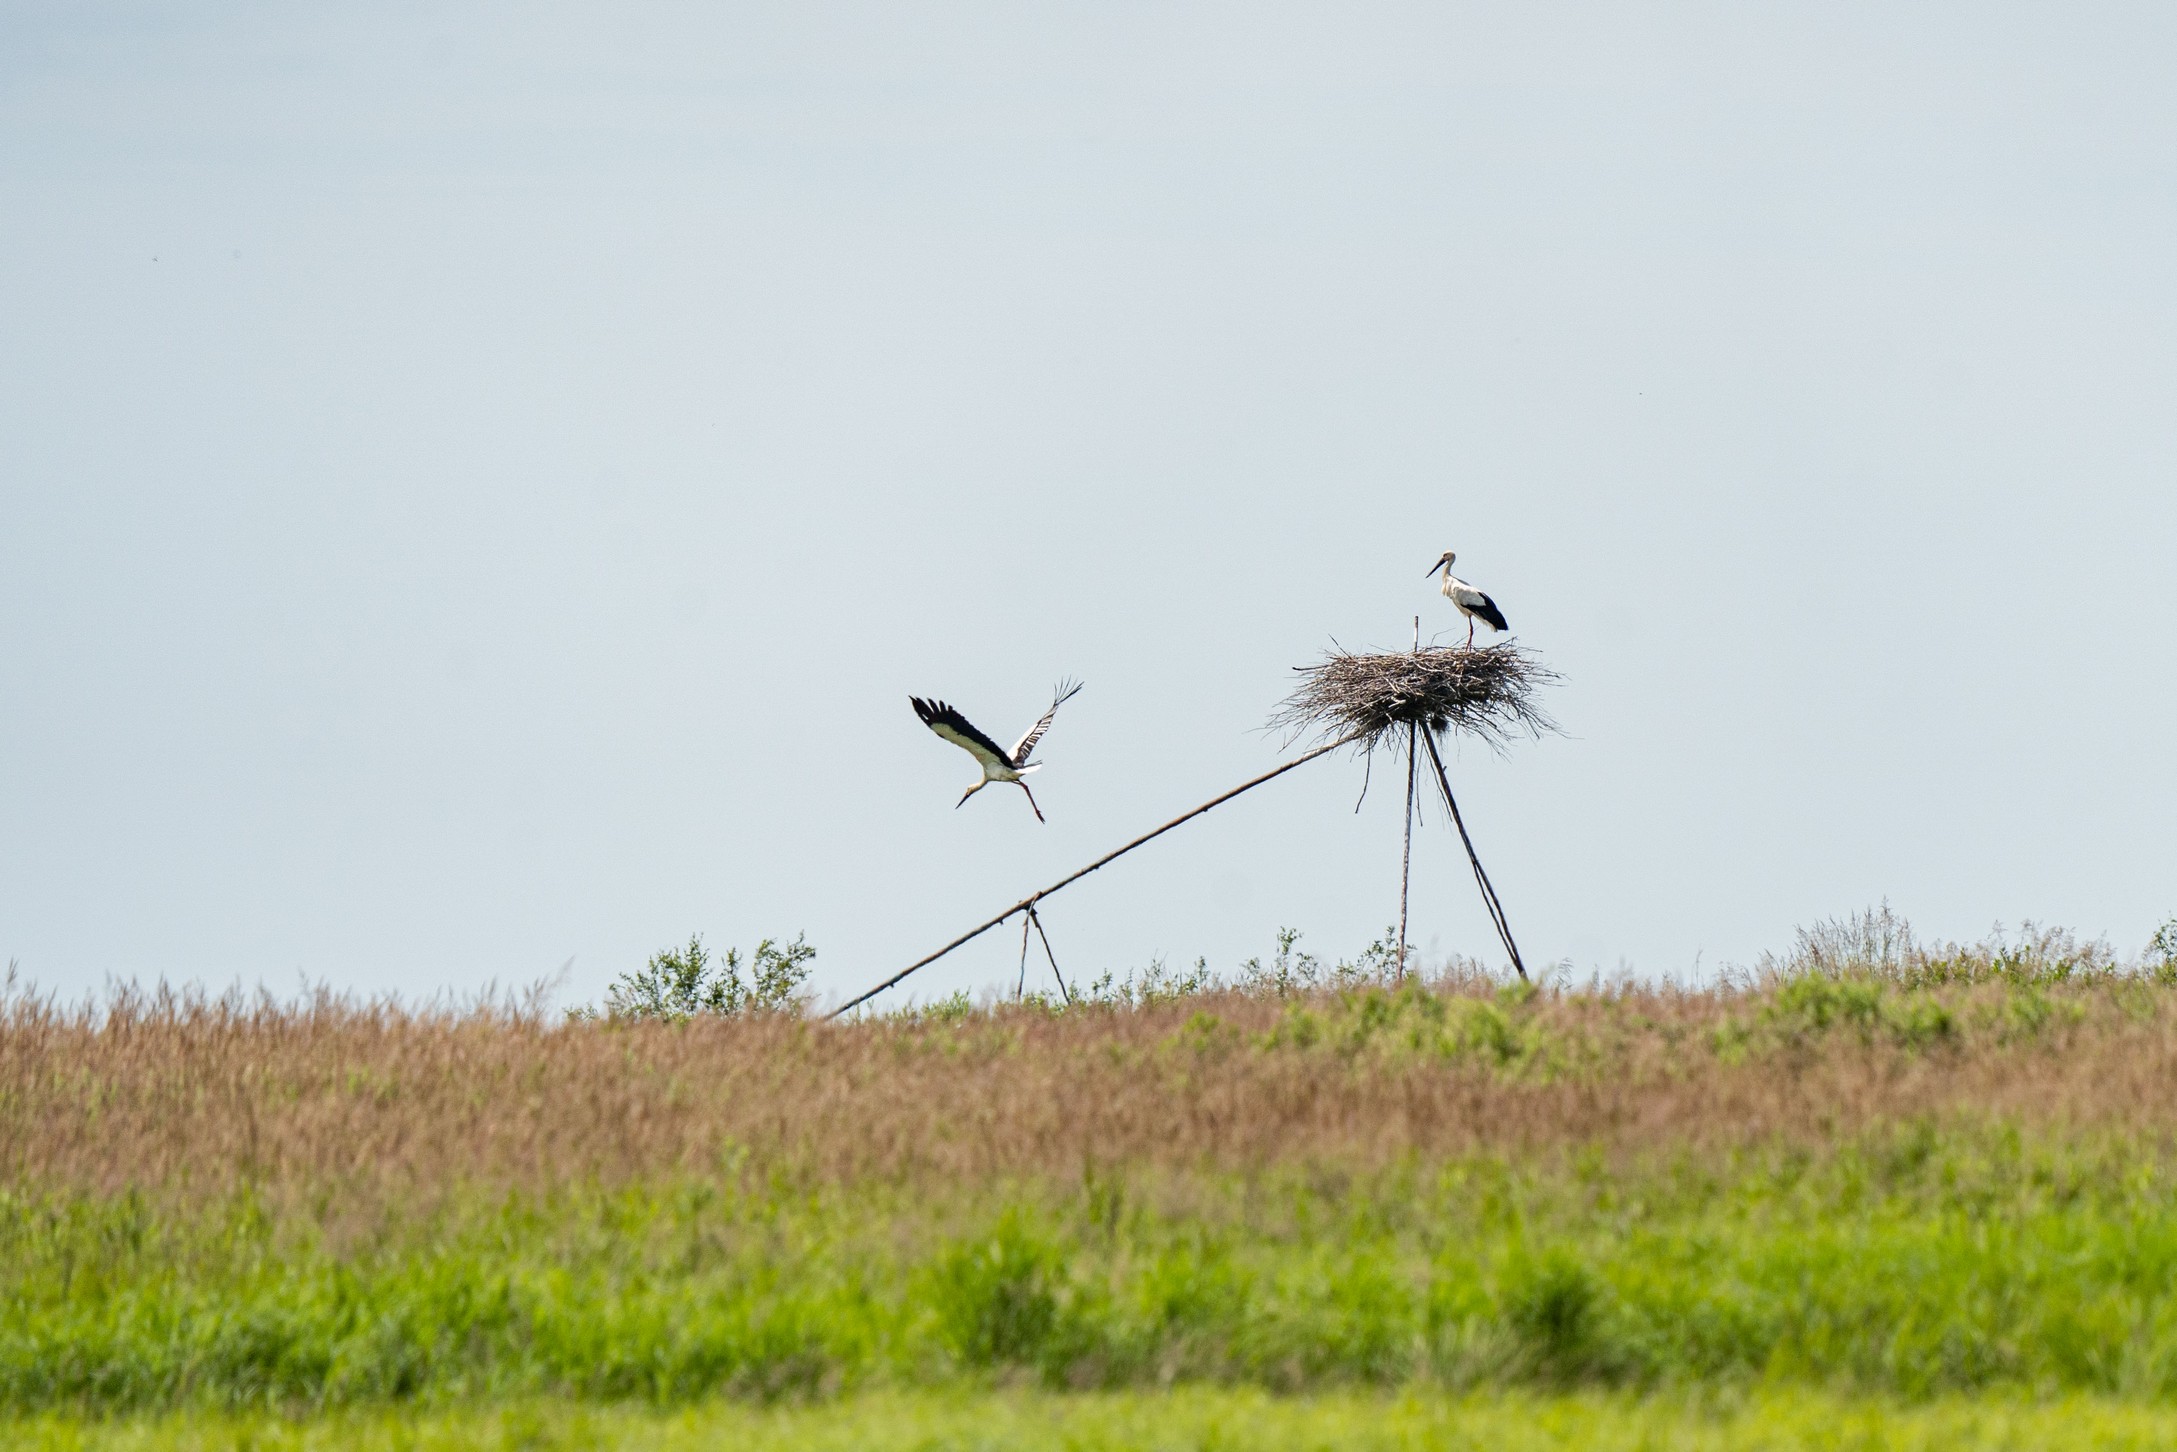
<point>1870,1169</point>
<point>1197,1419</point>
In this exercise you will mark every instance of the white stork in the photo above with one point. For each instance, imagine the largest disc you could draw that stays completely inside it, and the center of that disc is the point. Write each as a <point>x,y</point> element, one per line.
<point>998,764</point>
<point>1472,603</point>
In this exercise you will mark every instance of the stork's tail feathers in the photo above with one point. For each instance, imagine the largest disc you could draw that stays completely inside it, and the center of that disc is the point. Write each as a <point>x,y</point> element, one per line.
<point>1489,612</point>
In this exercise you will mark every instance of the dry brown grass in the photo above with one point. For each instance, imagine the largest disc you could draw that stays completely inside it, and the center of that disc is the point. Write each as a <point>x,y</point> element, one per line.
<point>194,1097</point>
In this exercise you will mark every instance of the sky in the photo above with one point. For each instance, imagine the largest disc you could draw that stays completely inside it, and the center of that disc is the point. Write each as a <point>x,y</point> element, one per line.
<point>479,485</point>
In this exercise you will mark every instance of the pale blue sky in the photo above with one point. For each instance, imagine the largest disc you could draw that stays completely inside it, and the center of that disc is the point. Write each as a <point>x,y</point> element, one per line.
<point>479,487</point>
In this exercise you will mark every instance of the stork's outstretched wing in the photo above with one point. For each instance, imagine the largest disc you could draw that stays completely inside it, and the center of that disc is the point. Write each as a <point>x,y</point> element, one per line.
<point>961,732</point>
<point>1066,691</point>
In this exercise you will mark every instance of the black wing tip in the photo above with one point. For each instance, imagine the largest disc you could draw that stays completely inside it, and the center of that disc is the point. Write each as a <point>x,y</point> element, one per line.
<point>936,713</point>
<point>1492,614</point>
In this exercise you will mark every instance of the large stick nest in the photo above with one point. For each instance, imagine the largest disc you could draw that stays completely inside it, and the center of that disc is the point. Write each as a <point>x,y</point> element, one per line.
<point>1487,692</point>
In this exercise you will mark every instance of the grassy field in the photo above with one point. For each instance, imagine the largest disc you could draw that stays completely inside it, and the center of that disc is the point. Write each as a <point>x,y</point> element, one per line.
<point>1909,1264</point>
<point>1187,1420</point>
<point>1874,1195</point>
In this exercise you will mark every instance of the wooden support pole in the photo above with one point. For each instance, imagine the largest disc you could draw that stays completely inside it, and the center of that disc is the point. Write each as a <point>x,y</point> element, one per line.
<point>1020,988</point>
<point>1063,991</point>
<point>1406,858</point>
<point>1030,901</point>
<point>1406,855</point>
<point>1489,894</point>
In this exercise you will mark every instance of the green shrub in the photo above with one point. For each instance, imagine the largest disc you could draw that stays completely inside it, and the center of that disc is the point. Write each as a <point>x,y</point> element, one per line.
<point>1806,1008</point>
<point>680,983</point>
<point>2162,952</point>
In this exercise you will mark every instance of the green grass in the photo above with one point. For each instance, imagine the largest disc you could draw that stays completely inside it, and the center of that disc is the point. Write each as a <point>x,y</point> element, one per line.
<point>1915,1265</point>
<point>1197,1419</point>
<point>1789,1215</point>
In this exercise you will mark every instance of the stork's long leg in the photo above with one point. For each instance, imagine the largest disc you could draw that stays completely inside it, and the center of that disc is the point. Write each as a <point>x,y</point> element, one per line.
<point>1031,800</point>
<point>1470,632</point>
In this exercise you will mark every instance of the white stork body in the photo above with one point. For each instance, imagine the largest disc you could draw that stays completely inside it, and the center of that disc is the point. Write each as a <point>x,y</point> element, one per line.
<point>1472,603</point>
<point>997,763</point>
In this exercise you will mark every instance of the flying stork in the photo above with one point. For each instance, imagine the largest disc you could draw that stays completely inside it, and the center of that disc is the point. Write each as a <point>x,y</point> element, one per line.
<point>998,764</point>
<point>1472,603</point>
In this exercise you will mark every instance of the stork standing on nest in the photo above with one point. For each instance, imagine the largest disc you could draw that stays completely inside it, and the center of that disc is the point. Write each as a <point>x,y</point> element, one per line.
<point>998,764</point>
<point>1472,603</point>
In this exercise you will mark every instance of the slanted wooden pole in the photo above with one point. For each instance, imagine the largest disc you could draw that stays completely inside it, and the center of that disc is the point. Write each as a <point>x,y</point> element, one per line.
<point>1489,894</point>
<point>1030,901</point>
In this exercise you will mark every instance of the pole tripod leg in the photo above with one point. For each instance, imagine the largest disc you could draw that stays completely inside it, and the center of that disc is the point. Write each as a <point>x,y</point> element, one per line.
<point>1063,991</point>
<point>1021,988</point>
<point>1481,878</point>
<point>1406,858</point>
